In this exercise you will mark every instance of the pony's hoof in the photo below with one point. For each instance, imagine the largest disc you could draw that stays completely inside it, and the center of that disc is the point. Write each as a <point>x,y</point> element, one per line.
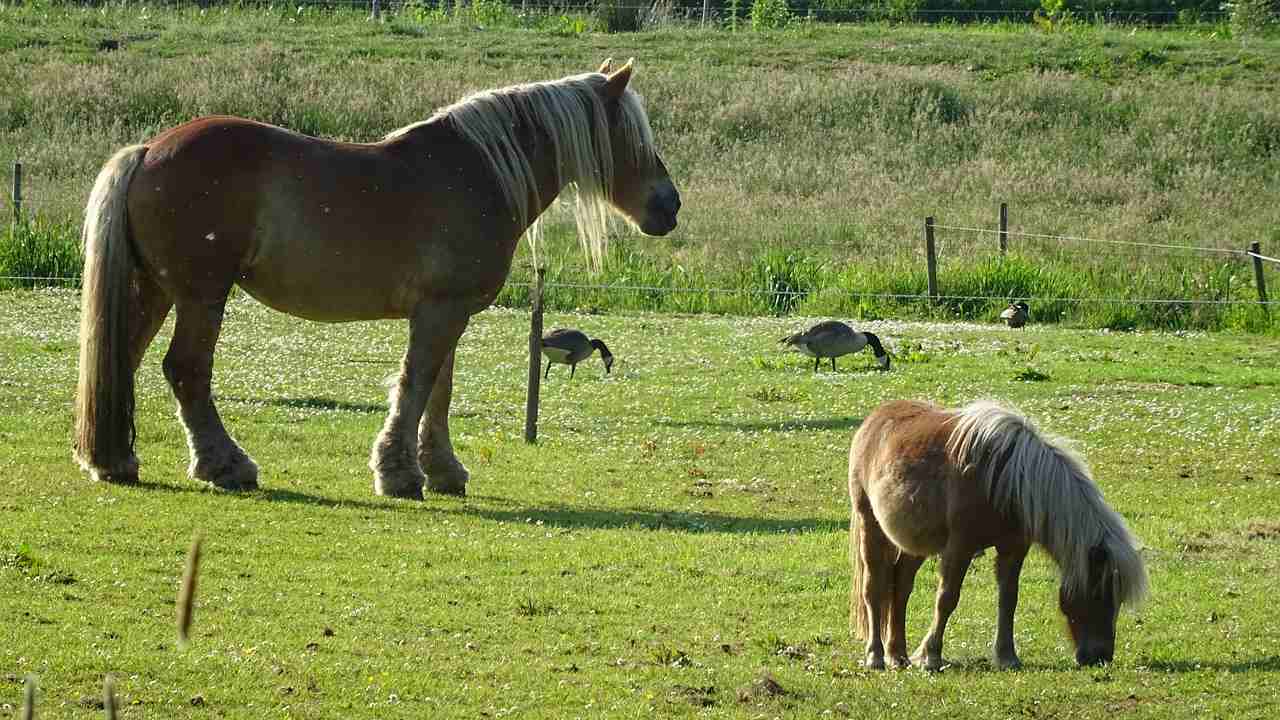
<point>874,662</point>
<point>449,481</point>
<point>405,488</point>
<point>933,664</point>
<point>900,662</point>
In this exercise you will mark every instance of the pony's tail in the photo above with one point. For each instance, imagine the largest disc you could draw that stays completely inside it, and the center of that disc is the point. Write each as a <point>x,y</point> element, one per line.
<point>857,607</point>
<point>104,431</point>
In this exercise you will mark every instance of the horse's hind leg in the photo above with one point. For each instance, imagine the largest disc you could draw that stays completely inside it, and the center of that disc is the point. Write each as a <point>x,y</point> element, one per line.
<point>904,578</point>
<point>188,366</point>
<point>148,307</point>
<point>876,553</point>
<point>445,474</point>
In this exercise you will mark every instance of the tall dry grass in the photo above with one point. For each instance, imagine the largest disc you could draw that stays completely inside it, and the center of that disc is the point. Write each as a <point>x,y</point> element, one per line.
<point>811,144</point>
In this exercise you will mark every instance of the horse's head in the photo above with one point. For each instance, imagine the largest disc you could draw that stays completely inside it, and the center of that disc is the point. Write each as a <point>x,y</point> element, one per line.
<point>1091,611</point>
<point>640,189</point>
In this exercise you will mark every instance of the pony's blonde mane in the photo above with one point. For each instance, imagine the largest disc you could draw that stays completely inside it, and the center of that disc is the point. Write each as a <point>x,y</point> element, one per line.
<point>1049,488</point>
<point>572,113</point>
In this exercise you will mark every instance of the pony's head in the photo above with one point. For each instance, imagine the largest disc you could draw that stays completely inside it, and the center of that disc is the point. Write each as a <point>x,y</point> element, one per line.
<point>1049,489</point>
<point>641,189</point>
<point>1091,609</point>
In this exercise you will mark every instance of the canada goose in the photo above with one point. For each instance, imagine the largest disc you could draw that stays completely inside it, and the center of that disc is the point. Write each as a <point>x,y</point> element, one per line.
<point>570,347</point>
<point>1015,316</point>
<point>831,339</point>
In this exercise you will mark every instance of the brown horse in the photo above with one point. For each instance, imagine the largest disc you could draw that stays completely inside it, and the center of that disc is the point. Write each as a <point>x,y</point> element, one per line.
<point>422,225</point>
<point>927,481</point>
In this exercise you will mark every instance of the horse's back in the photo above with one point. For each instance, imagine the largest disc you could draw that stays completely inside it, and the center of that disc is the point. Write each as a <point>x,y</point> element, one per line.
<point>317,228</point>
<point>898,465</point>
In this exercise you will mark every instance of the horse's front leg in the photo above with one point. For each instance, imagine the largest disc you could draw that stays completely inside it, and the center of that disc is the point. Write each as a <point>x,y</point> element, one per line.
<point>434,330</point>
<point>1008,568</point>
<point>445,474</point>
<point>952,566</point>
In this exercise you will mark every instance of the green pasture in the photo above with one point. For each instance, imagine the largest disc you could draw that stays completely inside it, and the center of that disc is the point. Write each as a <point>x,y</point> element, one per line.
<point>676,536</point>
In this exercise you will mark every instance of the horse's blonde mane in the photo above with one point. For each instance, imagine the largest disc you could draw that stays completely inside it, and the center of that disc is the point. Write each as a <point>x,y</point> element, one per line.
<point>1046,485</point>
<point>571,112</point>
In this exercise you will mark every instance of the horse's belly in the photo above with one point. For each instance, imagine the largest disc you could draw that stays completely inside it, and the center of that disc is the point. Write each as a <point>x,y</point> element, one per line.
<point>911,512</point>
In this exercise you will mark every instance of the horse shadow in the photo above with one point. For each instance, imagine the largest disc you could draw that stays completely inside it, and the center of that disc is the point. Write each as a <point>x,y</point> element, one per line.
<point>835,423</point>
<point>1270,663</point>
<point>311,403</point>
<point>556,515</point>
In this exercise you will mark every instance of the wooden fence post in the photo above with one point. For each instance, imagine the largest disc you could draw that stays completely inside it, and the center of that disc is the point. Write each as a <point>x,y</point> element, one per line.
<point>17,192</point>
<point>535,361</point>
<point>1004,227</point>
<point>1258,276</point>
<point>931,257</point>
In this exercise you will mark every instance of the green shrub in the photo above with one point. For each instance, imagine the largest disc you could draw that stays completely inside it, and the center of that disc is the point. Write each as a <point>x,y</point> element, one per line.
<point>770,14</point>
<point>1252,17</point>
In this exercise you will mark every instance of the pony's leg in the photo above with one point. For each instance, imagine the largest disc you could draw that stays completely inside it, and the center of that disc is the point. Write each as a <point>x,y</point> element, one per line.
<point>433,334</point>
<point>1008,567</point>
<point>904,578</point>
<point>188,366</point>
<point>952,566</point>
<point>445,474</point>
<point>877,553</point>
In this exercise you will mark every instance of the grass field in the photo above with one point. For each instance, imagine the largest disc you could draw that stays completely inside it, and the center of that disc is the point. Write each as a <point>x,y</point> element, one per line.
<point>677,533</point>
<point>808,158</point>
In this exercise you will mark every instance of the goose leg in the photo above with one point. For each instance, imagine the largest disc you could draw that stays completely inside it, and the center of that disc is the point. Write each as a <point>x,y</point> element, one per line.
<point>572,369</point>
<point>816,360</point>
<point>546,373</point>
<point>833,364</point>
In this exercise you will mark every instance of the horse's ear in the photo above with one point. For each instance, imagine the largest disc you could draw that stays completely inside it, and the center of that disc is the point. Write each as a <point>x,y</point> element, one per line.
<point>606,66</point>
<point>618,79</point>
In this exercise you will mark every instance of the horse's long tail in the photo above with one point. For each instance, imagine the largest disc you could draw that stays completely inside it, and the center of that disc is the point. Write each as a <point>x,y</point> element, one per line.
<point>104,395</point>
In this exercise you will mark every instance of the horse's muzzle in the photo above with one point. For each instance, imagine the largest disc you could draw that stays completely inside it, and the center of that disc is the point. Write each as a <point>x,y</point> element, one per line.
<point>660,215</point>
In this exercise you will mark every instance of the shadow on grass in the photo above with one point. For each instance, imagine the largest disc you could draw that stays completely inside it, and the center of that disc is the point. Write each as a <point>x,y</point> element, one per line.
<point>1270,663</point>
<point>836,423</point>
<point>578,518</point>
<point>554,516</point>
<point>310,403</point>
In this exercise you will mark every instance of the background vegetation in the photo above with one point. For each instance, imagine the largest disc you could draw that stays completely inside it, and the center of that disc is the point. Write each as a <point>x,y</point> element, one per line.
<point>808,156</point>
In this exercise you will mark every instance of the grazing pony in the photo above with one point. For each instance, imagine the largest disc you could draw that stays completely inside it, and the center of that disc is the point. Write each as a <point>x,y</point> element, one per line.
<point>421,225</point>
<point>927,481</point>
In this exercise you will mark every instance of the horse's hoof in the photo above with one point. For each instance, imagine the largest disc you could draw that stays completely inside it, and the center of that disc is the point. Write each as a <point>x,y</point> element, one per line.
<point>874,662</point>
<point>124,477</point>
<point>126,474</point>
<point>450,481</point>
<point>237,476</point>
<point>1008,663</point>
<point>398,486</point>
<point>900,662</point>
